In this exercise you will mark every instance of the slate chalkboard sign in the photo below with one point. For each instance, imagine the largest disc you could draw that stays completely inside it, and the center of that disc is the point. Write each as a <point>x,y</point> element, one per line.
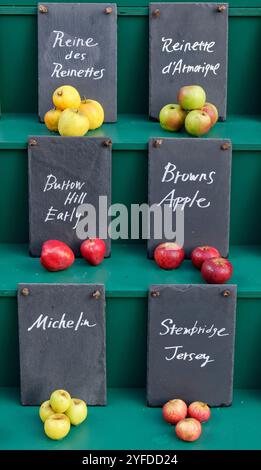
<point>65,174</point>
<point>191,330</point>
<point>188,46</point>
<point>77,45</point>
<point>190,178</point>
<point>62,341</point>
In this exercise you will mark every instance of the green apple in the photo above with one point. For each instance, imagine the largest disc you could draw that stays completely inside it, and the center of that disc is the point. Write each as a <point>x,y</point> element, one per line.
<point>77,411</point>
<point>191,97</point>
<point>197,123</point>
<point>60,401</point>
<point>45,410</point>
<point>172,117</point>
<point>57,426</point>
<point>212,111</point>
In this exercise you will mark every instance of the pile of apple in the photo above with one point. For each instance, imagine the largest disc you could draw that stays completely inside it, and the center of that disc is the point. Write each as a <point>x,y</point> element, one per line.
<point>191,111</point>
<point>72,116</point>
<point>187,419</point>
<point>60,412</point>
<point>57,255</point>
<point>214,268</point>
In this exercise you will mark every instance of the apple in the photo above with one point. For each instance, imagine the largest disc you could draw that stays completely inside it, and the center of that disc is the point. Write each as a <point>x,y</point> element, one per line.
<point>216,270</point>
<point>66,96</point>
<point>45,410</point>
<point>169,255</point>
<point>172,117</point>
<point>93,250</point>
<point>191,97</point>
<point>197,123</point>
<point>57,426</point>
<point>174,410</point>
<point>201,253</point>
<point>188,429</point>
<point>199,411</point>
<point>56,255</point>
<point>60,401</point>
<point>77,411</point>
<point>73,123</point>
<point>51,119</point>
<point>212,111</point>
<point>94,112</point>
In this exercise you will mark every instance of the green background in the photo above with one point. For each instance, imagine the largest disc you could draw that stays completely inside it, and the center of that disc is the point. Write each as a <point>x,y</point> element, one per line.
<point>128,273</point>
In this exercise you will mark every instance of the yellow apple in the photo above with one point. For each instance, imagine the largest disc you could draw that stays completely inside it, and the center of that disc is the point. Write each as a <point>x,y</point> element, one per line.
<point>73,123</point>
<point>77,411</point>
<point>94,112</point>
<point>60,401</point>
<point>51,119</point>
<point>57,426</point>
<point>45,410</point>
<point>66,96</point>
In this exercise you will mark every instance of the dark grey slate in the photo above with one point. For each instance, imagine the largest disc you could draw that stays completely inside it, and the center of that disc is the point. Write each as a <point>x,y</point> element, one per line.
<point>59,357</point>
<point>183,23</point>
<point>85,160</point>
<point>202,225</point>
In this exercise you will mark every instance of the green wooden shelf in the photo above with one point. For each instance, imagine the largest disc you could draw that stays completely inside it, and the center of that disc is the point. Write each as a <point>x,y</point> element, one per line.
<point>127,423</point>
<point>132,131</point>
<point>128,273</point>
<point>234,5</point>
<point>129,7</point>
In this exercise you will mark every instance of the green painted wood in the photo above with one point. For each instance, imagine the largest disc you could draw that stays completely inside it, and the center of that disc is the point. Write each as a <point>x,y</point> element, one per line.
<point>18,62</point>
<point>126,352</point>
<point>129,186</point>
<point>126,423</point>
<point>247,346</point>
<point>132,3</point>
<point>14,214</point>
<point>132,131</point>
<point>127,273</point>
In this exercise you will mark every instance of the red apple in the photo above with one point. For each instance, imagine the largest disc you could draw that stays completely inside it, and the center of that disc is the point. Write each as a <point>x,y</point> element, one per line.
<point>56,255</point>
<point>191,97</point>
<point>212,111</point>
<point>199,411</point>
<point>197,123</point>
<point>188,429</point>
<point>174,410</point>
<point>172,117</point>
<point>201,253</point>
<point>93,250</point>
<point>169,255</point>
<point>216,270</point>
